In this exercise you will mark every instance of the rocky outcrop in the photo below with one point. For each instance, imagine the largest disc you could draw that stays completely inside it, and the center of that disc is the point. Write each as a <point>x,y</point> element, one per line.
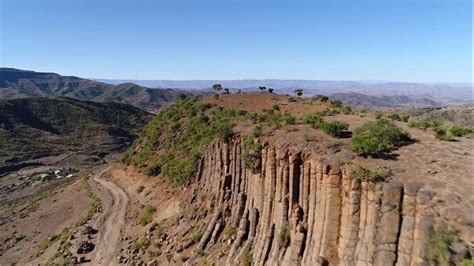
<point>299,210</point>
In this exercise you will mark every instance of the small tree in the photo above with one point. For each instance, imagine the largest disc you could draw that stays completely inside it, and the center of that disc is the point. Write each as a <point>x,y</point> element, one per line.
<point>217,87</point>
<point>226,91</point>
<point>262,88</point>
<point>270,90</point>
<point>298,92</point>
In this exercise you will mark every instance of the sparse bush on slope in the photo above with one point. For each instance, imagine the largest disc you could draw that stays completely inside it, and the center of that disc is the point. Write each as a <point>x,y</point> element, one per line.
<point>252,154</point>
<point>173,142</point>
<point>334,128</point>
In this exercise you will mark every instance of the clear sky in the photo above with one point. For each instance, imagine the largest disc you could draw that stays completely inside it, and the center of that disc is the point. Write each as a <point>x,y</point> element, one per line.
<point>400,40</point>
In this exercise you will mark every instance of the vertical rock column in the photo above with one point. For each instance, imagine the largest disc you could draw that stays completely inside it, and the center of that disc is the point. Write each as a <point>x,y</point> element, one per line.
<point>405,242</point>
<point>350,218</point>
<point>369,219</point>
<point>311,210</point>
<point>317,230</point>
<point>332,219</point>
<point>389,226</point>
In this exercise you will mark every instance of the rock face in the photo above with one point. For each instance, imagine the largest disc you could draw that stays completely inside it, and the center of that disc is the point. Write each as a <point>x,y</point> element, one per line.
<point>328,216</point>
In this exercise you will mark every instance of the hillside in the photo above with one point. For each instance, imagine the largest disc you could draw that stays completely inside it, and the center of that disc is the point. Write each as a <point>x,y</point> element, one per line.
<point>33,128</point>
<point>16,83</point>
<point>359,99</point>
<point>284,182</point>
<point>460,115</point>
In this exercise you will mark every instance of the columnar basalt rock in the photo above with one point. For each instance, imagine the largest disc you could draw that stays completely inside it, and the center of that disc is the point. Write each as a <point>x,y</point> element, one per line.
<point>329,215</point>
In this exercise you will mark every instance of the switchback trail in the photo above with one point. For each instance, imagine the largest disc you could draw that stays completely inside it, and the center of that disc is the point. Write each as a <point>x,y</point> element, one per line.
<point>110,221</point>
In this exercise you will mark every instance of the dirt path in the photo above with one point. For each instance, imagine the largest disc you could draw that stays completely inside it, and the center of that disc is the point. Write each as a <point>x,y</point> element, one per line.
<point>109,222</point>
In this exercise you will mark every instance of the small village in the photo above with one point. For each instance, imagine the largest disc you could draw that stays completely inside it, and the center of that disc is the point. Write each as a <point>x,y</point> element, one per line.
<point>58,174</point>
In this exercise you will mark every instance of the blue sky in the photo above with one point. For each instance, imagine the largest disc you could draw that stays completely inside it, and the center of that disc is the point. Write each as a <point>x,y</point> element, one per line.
<point>400,40</point>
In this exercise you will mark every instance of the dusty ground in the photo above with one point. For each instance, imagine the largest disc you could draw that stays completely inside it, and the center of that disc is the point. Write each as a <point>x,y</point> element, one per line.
<point>34,219</point>
<point>165,196</point>
<point>109,221</point>
<point>256,102</point>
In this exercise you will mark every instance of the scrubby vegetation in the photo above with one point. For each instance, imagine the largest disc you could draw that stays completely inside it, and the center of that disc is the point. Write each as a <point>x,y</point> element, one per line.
<point>334,128</point>
<point>147,216</point>
<point>273,118</point>
<point>284,237</point>
<point>438,249</point>
<point>441,132</point>
<point>377,174</point>
<point>424,124</point>
<point>247,258</point>
<point>142,243</point>
<point>253,149</point>
<point>398,117</point>
<point>173,142</point>
<point>377,137</point>
<point>458,131</point>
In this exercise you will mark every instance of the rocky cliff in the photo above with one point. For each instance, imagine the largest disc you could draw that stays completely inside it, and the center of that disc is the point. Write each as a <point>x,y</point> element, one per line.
<point>299,209</point>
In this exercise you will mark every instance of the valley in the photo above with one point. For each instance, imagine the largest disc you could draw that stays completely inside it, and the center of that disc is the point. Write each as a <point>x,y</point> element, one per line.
<point>240,179</point>
<point>236,133</point>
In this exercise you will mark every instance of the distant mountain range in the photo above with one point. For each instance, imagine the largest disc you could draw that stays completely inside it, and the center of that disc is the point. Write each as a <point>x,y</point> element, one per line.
<point>151,95</point>
<point>15,83</point>
<point>428,94</point>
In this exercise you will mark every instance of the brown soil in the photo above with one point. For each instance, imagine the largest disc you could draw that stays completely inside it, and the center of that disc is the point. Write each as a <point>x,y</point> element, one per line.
<point>257,102</point>
<point>109,221</point>
<point>66,205</point>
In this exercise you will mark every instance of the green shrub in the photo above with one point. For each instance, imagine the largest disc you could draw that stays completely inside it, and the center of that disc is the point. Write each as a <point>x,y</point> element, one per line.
<point>230,231</point>
<point>247,258</point>
<point>314,119</point>
<point>336,104</point>
<point>153,170</point>
<point>394,116</point>
<point>284,237</point>
<point>252,152</point>
<point>347,110</point>
<point>321,98</point>
<point>424,124</point>
<point>147,216</point>
<point>442,134</point>
<point>197,235</point>
<point>405,118</point>
<point>334,128</point>
<point>377,174</point>
<point>439,241</point>
<point>377,137</point>
<point>274,117</point>
<point>458,131</point>
<point>378,115</point>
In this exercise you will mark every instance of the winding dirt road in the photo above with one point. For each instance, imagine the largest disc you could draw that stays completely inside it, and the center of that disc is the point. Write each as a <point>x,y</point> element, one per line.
<point>109,221</point>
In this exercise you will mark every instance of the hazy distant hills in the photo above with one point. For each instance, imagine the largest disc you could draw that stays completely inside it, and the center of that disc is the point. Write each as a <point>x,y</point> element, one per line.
<point>153,94</point>
<point>15,83</point>
<point>359,99</point>
<point>404,93</point>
